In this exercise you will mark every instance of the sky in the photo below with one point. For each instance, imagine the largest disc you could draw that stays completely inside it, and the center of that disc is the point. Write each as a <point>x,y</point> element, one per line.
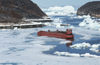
<point>50,3</point>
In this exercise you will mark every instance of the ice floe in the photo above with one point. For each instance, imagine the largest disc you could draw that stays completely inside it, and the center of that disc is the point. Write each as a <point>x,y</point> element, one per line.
<point>75,54</point>
<point>84,45</point>
<point>89,55</point>
<point>95,48</point>
<point>66,54</point>
<point>88,22</point>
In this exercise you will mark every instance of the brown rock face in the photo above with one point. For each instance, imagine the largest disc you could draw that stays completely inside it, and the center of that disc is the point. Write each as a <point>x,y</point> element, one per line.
<point>90,8</point>
<point>15,10</point>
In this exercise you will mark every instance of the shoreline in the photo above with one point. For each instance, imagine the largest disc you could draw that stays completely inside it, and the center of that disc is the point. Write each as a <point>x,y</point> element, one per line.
<point>29,23</point>
<point>21,26</point>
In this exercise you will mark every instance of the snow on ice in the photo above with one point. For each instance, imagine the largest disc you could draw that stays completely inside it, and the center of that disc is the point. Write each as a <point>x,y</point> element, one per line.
<point>90,23</point>
<point>84,45</point>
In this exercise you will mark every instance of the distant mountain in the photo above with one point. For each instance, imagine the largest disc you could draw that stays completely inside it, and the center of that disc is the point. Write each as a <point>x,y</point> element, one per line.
<point>15,10</point>
<point>90,8</point>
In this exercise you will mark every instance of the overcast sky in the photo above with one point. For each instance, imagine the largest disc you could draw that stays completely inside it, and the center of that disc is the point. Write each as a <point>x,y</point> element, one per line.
<point>49,3</point>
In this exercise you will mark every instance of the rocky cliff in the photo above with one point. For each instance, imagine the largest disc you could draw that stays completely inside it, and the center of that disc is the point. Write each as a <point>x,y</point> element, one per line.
<point>15,10</point>
<point>90,8</point>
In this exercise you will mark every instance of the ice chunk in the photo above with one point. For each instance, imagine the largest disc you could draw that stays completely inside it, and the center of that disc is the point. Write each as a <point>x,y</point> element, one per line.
<point>89,55</point>
<point>74,54</point>
<point>95,48</point>
<point>90,23</point>
<point>66,54</point>
<point>81,45</point>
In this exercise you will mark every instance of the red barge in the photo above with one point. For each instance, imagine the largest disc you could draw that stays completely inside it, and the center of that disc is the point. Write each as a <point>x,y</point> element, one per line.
<point>68,35</point>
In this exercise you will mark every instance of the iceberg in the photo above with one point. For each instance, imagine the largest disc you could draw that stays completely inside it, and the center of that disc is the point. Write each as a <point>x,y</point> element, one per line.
<point>57,10</point>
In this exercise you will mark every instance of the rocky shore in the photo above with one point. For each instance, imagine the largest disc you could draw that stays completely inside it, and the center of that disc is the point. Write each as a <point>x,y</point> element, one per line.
<point>90,8</point>
<point>15,11</point>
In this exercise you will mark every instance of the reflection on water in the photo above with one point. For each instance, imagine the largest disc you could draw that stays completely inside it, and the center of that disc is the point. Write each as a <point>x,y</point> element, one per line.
<point>69,44</point>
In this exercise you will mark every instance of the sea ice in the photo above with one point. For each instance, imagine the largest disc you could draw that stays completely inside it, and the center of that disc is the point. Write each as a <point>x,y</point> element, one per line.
<point>90,23</point>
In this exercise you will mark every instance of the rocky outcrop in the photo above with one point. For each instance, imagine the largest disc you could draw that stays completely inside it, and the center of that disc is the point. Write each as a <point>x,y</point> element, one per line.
<point>16,10</point>
<point>90,8</point>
